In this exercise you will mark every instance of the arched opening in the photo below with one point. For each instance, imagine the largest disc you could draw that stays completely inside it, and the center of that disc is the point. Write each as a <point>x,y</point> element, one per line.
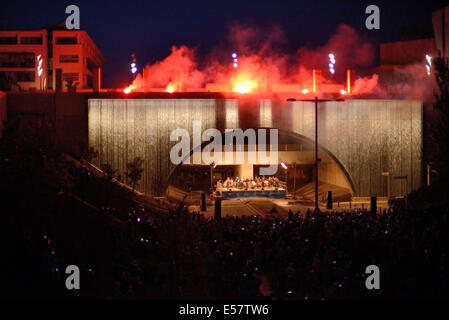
<point>296,176</point>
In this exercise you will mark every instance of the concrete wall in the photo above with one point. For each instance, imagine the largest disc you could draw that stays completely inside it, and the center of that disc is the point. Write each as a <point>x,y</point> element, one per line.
<point>64,115</point>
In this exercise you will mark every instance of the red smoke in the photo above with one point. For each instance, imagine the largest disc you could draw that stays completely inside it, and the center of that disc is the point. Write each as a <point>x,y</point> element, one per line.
<point>261,65</point>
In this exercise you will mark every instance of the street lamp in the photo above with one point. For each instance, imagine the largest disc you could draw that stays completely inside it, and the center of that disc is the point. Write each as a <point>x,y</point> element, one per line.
<point>332,63</point>
<point>388,175</point>
<point>317,160</point>
<point>235,60</point>
<point>133,66</point>
<point>294,180</point>
<point>213,165</point>
<point>284,165</point>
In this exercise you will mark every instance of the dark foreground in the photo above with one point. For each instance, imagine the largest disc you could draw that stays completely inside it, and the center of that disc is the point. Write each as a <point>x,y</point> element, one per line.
<point>57,212</point>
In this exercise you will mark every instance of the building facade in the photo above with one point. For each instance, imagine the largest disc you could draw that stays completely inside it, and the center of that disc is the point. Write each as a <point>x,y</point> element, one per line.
<point>30,58</point>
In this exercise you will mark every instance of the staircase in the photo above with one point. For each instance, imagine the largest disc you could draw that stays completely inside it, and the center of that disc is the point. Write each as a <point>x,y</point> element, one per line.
<point>307,192</point>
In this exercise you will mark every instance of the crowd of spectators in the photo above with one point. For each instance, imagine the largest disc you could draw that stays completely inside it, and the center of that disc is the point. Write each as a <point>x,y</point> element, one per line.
<point>127,249</point>
<point>303,256</point>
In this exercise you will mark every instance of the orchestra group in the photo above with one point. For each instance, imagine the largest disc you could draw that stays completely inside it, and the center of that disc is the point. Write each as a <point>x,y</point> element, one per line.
<point>258,183</point>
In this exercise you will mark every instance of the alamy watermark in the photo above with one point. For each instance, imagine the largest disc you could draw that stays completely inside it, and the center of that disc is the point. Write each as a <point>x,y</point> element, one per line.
<point>73,280</point>
<point>213,151</point>
<point>73,20</point>
<point>373,280</point>
<point>372,22</point>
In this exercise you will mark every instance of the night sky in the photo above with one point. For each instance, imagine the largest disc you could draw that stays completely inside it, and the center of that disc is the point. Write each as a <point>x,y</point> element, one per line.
<point>149,28</point>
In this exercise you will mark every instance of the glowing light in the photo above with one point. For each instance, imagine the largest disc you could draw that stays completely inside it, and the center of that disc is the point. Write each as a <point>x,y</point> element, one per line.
<point>170,88</point>
<point>244,86</point>
<point>133,64</point>
<point>305,91</point>
<point>348,80</point>
<point>283,165</point>
<point>129,89</point>
<point>40,62</point>
<point>343,92</point>
<point>429,64</point>
<point>234,56</point>
<point>332,63</point>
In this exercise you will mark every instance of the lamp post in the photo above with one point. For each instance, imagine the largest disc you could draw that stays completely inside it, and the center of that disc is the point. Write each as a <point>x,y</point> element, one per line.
<point>294,180</point>
<point>213,165</point>
<point>284,165</point>
<point>388,175</point>
<point>430,172</point>
<point>317,160</point>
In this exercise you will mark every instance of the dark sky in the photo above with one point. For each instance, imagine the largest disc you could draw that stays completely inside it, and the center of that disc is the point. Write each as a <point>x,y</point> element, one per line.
<point>149,28</point>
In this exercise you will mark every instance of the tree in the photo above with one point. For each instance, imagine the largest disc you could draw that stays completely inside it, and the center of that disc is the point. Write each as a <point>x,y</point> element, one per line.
<point>440,125</point>
<point>110,172</point>
<point>134,171</point>
<point>89,154</point>
<point>107,169</point>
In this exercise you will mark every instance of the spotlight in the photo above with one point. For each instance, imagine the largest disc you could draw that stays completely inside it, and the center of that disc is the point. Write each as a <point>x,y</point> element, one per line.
<point>332,63</point>
<point>429,64</point>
